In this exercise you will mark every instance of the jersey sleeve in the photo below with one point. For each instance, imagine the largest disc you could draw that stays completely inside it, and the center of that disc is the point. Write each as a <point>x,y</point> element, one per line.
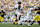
<point>16,6</point>
<point>31,9</point>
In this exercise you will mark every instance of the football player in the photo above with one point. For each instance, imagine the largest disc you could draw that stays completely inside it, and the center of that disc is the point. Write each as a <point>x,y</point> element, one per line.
<point>2,13</point>
<point>18,8</point>
<point>37,16</point>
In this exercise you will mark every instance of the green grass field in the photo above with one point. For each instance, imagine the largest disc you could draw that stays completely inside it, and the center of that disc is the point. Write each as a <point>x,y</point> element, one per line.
<point>11,25</point>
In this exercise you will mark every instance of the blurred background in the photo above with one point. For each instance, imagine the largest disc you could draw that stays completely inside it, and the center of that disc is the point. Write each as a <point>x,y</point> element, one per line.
<point>8,7</point>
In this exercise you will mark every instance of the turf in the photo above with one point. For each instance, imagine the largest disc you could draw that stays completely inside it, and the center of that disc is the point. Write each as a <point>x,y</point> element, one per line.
<point>12,25</point>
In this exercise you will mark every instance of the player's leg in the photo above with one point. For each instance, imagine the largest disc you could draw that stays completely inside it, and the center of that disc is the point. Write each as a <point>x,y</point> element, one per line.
<point>2,19</point>
<point>8,19</point>
<point>12,19</point>
<point>24,20</point>
<point>20,21</point>
<point>18,17</point>
<point>28,19</point>
<point>15,22</point>
<point>39,20</point>
<point>34,19</point>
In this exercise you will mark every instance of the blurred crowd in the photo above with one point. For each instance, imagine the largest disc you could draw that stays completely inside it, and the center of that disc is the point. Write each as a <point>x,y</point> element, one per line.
<point>9,5</point>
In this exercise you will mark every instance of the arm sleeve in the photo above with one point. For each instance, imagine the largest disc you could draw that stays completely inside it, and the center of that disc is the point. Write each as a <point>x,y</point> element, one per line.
<point>31,9</point>
<point>16,6</point>
<point>36,9</point>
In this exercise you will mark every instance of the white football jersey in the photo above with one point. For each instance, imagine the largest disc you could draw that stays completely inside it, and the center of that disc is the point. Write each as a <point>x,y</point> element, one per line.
<point>29,11</point>
<point>16,6</point>
<point>18,11</point>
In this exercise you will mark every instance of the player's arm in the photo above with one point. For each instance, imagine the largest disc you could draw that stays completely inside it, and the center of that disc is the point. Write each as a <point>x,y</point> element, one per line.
<point>16,7</point>
<point>34,9</point>
<point>4,13</point>
<point>27,11</point>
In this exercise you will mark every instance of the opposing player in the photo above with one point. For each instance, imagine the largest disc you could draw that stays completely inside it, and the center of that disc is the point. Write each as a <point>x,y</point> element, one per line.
<point>2,13</point>
<point>37,17</point>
